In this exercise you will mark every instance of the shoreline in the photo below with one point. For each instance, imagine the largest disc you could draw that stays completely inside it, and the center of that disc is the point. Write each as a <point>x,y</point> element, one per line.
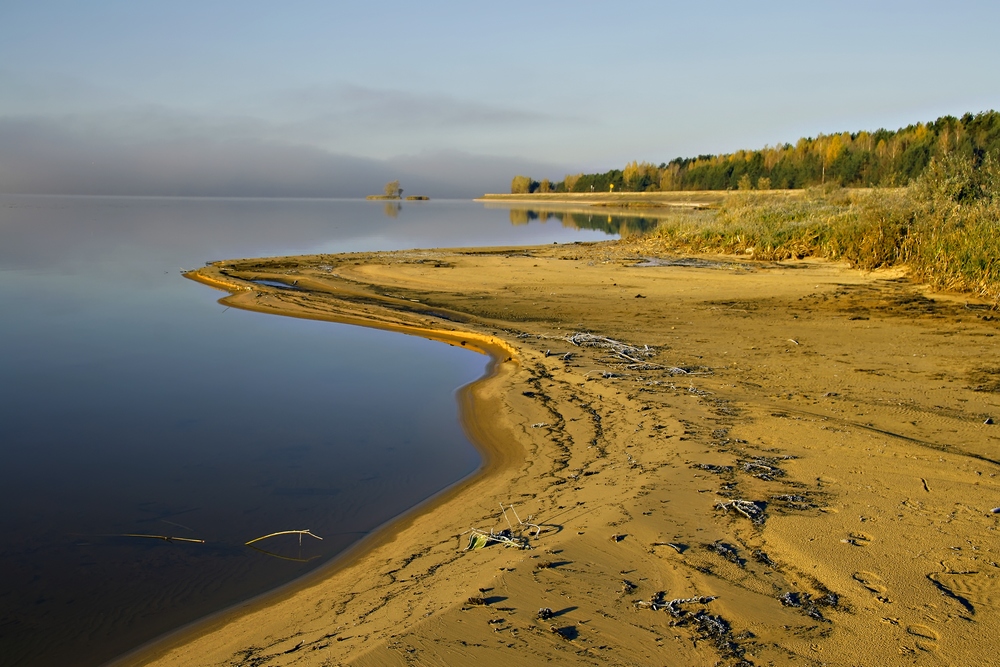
<point>664,199</point>
<point>494,460</point>
<point>807,390</point>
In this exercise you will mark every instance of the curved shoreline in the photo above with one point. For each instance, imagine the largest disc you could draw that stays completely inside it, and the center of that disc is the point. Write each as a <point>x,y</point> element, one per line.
<point>699,486</point>
<point>495,458</point>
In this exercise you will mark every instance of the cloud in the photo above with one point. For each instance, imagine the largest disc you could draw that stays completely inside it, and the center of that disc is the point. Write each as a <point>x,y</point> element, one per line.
<point>423,109</point>
<point>156,153</point>
<point>384,122</point>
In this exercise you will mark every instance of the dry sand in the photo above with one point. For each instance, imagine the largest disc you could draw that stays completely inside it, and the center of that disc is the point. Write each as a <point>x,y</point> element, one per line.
<point>849,407</point>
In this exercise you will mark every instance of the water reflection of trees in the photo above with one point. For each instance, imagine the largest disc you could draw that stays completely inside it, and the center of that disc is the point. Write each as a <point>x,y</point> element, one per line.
<point>613,224</point>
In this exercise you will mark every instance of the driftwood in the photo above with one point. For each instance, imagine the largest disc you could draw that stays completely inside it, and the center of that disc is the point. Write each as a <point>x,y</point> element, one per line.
<point>520,523</point>
<point>659,601</point>
<point>674,605</point>
<point>512,536</point>
<point>165,538</point>
<point>629,353</point>
<point>635,357</point>
<point>753,510</point>
<point>300,533</point>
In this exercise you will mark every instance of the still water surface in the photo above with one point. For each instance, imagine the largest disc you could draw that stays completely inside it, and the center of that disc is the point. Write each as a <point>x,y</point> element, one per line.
<point>131,403</point>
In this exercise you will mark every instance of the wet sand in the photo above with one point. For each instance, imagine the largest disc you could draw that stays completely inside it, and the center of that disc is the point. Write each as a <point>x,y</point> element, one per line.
<point>801,456</point>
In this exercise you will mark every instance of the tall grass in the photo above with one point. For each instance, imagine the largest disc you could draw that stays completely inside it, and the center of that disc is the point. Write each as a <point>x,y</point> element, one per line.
<point>944,227</point>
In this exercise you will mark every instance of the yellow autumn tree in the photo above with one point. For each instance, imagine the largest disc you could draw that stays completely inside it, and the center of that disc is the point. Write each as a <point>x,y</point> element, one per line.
<point>520,185</point>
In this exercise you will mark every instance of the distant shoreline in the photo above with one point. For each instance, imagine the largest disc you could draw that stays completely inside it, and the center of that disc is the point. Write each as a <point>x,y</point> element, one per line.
<point>637,200</point>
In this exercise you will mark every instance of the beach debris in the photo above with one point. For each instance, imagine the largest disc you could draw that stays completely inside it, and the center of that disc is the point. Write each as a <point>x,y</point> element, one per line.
<point>656,601</point>
<point>545,614</point>
<point>794,501</point>
<point>714,628</point>
<point>751,509</point>
<point>989,421</point>
<point>635,357</point>
<point>709,467</point>
<point>727,551</point>
<point>479,539</point>
<point>300,533</point>
<point>539,425</point>
<point>674,606</point>
<point>165,538</point>
<point>513,536</point>
<point>995,510</point>
<point>717,630</point>
<point>659,601</point>
<point>628,586</point>
<point>808,605</point>
<point>762,467</point>
<point>622,350</point>
<point>617,537</point>
<point>478,601</point>
<point>762,557</point>
<point>521,524</point>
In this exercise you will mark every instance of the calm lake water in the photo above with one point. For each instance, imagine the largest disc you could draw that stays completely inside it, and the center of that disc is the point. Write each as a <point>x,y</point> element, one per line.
<point>131,403</point>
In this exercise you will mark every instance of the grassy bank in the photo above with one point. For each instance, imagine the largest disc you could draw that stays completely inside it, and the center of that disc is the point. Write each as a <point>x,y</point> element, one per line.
<point>944,227</point>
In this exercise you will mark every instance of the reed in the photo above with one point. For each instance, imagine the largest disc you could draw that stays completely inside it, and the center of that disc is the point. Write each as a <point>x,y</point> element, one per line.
<point>944,227</point>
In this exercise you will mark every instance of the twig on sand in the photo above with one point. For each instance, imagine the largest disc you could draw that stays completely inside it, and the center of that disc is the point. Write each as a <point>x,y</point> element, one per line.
<point>751,509</point>
<point>634,356</point>
<point>520,524</point>
<point>659,601</point>
<point>513,535</point>
<point>622,350</point>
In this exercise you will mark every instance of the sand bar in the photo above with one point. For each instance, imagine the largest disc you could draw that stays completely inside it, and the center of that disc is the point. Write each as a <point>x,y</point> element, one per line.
<point>802,455</point>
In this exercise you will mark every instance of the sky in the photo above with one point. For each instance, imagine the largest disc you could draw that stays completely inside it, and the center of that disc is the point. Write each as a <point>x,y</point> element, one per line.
<point>247,98</point>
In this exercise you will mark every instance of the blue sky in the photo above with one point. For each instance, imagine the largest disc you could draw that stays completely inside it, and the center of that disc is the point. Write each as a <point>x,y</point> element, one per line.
<point>457,93</point>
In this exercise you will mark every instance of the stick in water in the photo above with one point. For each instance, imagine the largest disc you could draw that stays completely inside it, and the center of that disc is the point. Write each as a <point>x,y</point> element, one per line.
<point>165,538</point>
<point>300,533</point>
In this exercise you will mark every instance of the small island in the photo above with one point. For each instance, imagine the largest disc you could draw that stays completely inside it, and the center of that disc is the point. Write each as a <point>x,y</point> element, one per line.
<point>392,191</point>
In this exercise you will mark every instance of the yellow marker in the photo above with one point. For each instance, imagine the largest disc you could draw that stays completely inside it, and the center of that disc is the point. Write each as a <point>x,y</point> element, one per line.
<point>612,187</point>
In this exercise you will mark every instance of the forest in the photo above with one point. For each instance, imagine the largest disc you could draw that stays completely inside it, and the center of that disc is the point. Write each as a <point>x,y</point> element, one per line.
<point>883,158</point>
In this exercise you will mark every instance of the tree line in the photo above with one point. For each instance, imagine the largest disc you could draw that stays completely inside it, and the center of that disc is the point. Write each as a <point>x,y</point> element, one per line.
<point>860,159</point>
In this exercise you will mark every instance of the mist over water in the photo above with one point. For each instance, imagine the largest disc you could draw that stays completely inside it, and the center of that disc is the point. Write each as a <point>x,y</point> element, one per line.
<point>134,404</point>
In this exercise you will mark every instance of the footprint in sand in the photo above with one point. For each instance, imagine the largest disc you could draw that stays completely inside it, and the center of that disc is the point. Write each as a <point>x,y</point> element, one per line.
<point>926,638</point>
<point>874,584</point>
<point>858,539</point>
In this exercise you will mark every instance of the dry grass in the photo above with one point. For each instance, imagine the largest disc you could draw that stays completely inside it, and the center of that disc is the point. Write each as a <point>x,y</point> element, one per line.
<point>944,227</point>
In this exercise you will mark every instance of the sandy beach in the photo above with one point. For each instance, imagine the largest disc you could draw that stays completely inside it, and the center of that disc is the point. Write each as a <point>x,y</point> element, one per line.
<point>737,463</point>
